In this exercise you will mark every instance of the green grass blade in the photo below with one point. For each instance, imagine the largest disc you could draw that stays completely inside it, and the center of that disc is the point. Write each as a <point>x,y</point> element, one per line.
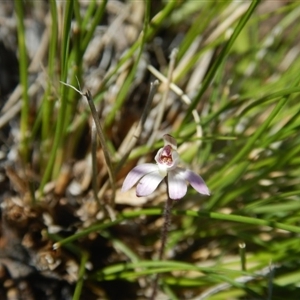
<point>212,71</point>
<point>24,126</point>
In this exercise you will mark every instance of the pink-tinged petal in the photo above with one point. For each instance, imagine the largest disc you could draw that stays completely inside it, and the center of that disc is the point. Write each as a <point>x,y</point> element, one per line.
<point>136,174</point>
<point>196,182</point>
<point>148,183</point>
<point>177,184</point>
<point>176,160</point>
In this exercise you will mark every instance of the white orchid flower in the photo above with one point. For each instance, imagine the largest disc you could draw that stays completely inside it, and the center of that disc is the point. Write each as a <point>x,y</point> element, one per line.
<point>149,176</point>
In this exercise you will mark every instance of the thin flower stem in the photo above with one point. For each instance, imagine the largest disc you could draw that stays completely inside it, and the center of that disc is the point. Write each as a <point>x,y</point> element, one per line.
<point>165,229</point>
<point>164,236</point>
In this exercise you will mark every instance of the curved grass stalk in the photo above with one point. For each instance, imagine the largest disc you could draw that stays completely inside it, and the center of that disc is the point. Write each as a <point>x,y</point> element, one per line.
<point>212,71</point>
<point>157,211</point>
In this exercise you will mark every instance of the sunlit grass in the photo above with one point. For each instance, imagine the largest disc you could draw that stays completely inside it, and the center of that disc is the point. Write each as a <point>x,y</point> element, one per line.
<point>238,64</point>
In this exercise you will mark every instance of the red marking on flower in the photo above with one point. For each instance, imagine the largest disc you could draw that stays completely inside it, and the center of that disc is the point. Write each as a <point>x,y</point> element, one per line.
<point>166,156</point>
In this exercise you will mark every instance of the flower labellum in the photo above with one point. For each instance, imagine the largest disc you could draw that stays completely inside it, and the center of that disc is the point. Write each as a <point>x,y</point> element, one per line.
<point>149,176</point>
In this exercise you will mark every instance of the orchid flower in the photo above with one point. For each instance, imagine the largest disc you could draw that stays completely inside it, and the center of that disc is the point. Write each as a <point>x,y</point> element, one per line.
<point>149,176</point>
